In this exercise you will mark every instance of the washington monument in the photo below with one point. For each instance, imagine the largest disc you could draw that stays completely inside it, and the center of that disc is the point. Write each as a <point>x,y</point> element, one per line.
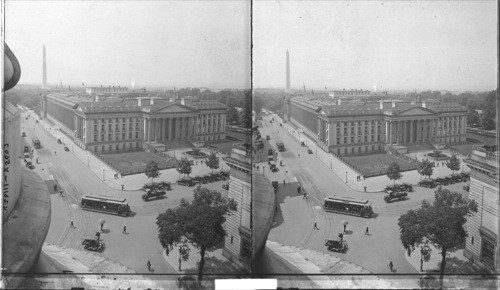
<point>287,71</point>
<point>44,70</point>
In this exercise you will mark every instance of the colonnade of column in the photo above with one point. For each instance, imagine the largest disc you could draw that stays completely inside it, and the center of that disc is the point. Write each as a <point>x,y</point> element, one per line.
<point>420,130</point>
<point>170,128</point>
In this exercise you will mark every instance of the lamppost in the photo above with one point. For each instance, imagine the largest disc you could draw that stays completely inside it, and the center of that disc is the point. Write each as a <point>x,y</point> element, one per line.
<point>346,176</point>
<point>88,161</point>
<point>104,170</point>
<point>331,167</point>
<point>263,170</point>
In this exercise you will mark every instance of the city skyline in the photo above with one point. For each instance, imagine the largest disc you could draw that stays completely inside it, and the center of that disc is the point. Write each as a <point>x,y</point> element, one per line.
<point>131,43</point>
<point>389,45</point>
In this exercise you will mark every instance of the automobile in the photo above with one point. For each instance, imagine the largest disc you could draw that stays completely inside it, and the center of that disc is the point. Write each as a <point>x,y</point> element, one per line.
<point>309,151</point>
<point>30,165</point>
<point>449,180</point>
<point>408,187</point>
<point>66,148</point>
<point>336,246</point>
<point>159,194</point>
<point>23,134</point>
<point>198,179</point>
<point>302,144</point>
<point>398,195</point>
<point>207,178</point>
<point>281,124</point>
<point>465,176</point>
<point>92,244</point>
<point>186,181</point>
<point>270,151</point>
<point>215,176</point>
<point>398,188</point>
<point>36,121</point>
<point>162,185</point>
<point>59,141</point>
<point>466,187</point>
<point>224,174</point>
<point>427,183</point>
<point>273,167</point>
<point>441,181</point>
<point>456,178</point>
<point>225,186</point>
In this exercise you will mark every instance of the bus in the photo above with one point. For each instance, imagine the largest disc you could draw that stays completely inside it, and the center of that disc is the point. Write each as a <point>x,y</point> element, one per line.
<point>36,143</point>
<point>97,203</point>
<point>280,146</point>
<point>348,205</point>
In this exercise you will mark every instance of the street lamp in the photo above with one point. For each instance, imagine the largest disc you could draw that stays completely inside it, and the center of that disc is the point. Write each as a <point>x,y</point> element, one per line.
<point>104,170</point>
<point>331,167</point>
<point>346,176</point>
<point>88,161</point>
<point>263,170</point>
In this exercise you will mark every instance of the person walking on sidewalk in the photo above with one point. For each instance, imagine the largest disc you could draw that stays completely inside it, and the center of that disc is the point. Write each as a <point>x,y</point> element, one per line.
<point>124,229</point>
<point>315,226</point>
<point>123,186</point>
<point>61,193</point>
<point>305,195</point>
<point>367,232</point>
<point>345,225</point>
<point>72,225</point>
<point>391,266</point>
<point>283,182</point>
<point>148,265</point>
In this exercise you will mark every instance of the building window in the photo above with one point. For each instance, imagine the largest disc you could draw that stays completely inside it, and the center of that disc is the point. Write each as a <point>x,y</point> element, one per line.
<point>95,148</point>
<point>117,146</point>
<point>110,148</point>
<point>352,139</point>
<point>102,148</point>
<point>487,252</point>
<point>109,137</point>
<point>95,138</point>
<point>136,135</point>
<point>130,135</point>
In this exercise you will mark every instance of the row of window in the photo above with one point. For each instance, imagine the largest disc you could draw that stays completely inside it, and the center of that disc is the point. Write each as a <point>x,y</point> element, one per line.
<point>117,146</point>
<point>117,136</point>
<point>359,149</point>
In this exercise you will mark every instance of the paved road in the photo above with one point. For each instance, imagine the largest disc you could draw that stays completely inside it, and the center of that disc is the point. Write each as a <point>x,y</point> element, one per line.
<point>297,215</point>
<point>74,177</point>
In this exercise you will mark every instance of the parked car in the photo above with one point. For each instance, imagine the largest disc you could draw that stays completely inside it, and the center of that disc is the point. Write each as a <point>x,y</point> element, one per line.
<point>66,148</point>
<point>268,137</point>
<point>153,193</point>
<point>186,181</point>
<point>92,244</point>
<point>336,246</point>
<point>273,167</point>
<point>430,183</point>
<point>224,174</point>
<point>466,187</point>
<point>399,195</point>
<point>309,151</point>
<point>441,181</point>
<point>23,134</point>
<point>30,165</point>
<point>198,179</point>
<point>59,141</point>
<point>302,144</point>
<point>215,176</point>
<point>225,186</point>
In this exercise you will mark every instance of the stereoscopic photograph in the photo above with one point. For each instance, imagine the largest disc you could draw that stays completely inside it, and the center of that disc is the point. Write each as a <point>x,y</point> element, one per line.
<point>302,144</point>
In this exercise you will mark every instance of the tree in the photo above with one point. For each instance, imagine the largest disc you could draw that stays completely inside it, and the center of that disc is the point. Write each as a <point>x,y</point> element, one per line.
<point>394,172</point>
<point>183,252</point>
<point>152,170</point>
<point>199,222</point>
<point>212,161</point>
<point>184,166</point>
<point>440,223</point>
<point>453,163</point>
<point>426,168</point>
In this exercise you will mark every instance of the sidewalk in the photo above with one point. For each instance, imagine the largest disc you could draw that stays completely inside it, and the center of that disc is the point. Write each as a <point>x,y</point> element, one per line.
<point>135,181</point>
<point>373,184</point>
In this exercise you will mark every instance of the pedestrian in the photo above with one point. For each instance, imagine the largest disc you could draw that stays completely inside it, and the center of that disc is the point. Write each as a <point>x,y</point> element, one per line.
<point>123,185</point>
<point>315,226</point>
<point>341,236</point>
<point>102,226</point>
<point>367,232</point>
<point>305,195</point>
<point>55,153</point>
<point>72,225</point>
<point>391,266</point>
<point>283,182</point>
<point>124,229</point>
<point>37,160</point>
<point>298,189</point>
<point>257,167</point>
<point>98,235</point>
<point>345,227</point>
<point>148,264</point>
<point>61,192</point>
<point>299,155</point>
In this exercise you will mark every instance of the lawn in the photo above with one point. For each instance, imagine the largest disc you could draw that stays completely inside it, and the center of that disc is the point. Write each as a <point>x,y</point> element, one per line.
<point>377,164</point>
<point>135,162</point>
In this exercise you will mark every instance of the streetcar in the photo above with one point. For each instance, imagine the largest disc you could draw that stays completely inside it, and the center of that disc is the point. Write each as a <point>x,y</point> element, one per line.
<point>348,205</point>
<point>97,203</point>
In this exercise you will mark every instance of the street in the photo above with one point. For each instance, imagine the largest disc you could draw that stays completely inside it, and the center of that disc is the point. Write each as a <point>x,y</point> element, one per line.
<point>296,217</point>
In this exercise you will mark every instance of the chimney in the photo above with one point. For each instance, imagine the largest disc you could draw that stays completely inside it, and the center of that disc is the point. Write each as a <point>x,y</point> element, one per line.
<point>423,104</point>
<point>183,102</point>
<point>139,101</point>
<point>151,101</point>
<point>394,104</point>
<point>381,104</point>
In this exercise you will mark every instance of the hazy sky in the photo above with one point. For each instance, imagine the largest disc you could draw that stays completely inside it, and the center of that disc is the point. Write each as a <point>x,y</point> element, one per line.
<point>406,45</point>
<point>162,43</point>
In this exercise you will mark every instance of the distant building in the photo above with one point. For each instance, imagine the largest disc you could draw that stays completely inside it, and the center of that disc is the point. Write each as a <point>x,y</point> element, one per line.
<point>482,244</point>
<point>355,125</point>
<point>106,90</point>
<point>104,123</point>
<point>238,242</point>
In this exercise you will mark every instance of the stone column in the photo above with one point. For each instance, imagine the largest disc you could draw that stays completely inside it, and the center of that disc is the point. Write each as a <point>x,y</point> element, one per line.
<point>390,132</point>
<point>169,128</point>
<point>387,132</point>
<point>145,131</point>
